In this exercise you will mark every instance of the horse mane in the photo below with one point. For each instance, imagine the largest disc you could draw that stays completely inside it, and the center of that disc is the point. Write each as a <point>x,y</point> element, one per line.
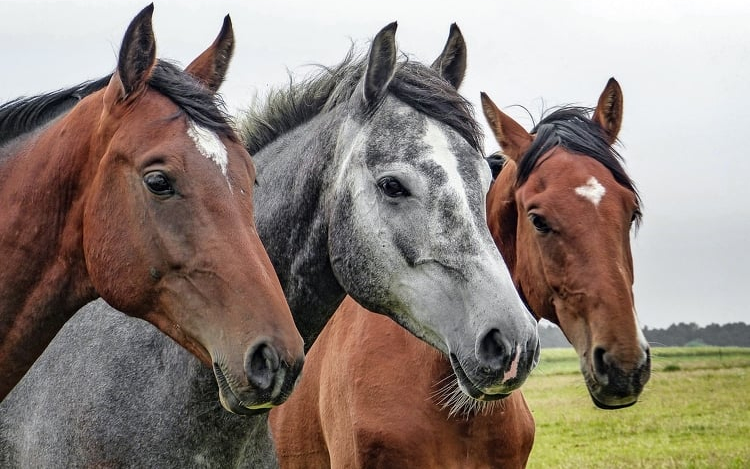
<point>570,127</point>
<point>25,114</point>
<point>415,84</point>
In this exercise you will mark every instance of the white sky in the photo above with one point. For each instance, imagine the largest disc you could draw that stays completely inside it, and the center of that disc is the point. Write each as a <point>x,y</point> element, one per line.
<point>684,67</point>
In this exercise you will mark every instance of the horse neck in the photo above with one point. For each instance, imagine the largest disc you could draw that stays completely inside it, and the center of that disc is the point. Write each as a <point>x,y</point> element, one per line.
<point>291,214</point>
<point>43,278</point>
<point>502,215</point>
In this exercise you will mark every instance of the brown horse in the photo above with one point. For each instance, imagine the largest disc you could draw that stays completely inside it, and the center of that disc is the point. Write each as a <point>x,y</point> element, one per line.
<point>142,194</point>
<point>560,212</point>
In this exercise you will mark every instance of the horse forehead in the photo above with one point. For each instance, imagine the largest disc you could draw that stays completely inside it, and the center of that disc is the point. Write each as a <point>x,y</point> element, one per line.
<point>164,119</point>
<point>576,174</point>
<point>208,144</point>
<point>444,150</point>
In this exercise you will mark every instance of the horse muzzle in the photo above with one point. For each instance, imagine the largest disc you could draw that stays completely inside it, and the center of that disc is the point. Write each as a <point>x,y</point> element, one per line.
<point>270,380</point>
<point>610,386</point>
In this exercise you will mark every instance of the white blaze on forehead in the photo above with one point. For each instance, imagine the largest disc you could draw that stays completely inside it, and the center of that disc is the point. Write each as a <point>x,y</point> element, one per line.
<point>209,145</point>
<point>444,156</point>
<point>592,190</point>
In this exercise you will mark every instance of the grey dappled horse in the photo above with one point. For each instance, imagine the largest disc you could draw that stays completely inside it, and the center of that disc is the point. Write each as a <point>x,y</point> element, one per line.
<point>371,183</point>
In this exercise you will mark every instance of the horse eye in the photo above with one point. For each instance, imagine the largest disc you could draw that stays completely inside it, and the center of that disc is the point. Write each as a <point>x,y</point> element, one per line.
<point>158,183</point>
<point>392,187</point>
<point>539,223</point>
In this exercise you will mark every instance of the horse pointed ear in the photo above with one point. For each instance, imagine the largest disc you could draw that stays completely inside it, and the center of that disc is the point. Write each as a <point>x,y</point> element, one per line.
<point>451,64</point>
<point>496,161</point>
<point>513,138</point>
<point>381,65</point>
<point>137,54</point>
<point>608,111</point>
<point>210,68</point>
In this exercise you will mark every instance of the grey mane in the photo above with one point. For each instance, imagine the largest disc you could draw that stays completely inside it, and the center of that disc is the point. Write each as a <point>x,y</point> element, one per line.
<point>415,84</point>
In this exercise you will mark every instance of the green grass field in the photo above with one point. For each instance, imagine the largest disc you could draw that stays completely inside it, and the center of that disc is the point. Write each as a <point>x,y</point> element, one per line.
<point>694,413</point>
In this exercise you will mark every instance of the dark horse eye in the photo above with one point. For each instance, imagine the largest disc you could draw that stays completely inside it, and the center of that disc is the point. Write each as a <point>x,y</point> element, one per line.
<point>158,183</point>
<point>392,187</point>
<point>539,223</point>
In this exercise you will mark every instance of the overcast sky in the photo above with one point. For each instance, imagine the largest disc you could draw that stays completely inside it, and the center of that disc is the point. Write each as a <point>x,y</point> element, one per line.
<point>684,67</point>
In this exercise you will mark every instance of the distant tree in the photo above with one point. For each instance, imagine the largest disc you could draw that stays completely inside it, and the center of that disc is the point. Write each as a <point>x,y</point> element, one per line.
<point>736,334</point>
<point>682,334</point>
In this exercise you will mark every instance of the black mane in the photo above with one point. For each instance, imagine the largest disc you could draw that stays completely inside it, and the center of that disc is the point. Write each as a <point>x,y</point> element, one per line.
<point>571,128</point>
<point>414,84</point>
<point>25,114</point>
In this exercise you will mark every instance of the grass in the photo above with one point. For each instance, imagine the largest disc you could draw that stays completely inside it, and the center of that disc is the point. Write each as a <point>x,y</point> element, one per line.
<point>694,413</point>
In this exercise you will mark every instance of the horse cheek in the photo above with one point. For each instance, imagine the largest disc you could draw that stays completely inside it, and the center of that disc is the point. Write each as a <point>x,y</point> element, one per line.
<point>112,248</point>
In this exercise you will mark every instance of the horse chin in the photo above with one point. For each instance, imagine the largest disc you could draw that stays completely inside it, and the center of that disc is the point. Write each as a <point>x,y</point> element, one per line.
<point>604,399</point>
<point>613,405</point>
<point>469,388</point>
<point>230,401</point>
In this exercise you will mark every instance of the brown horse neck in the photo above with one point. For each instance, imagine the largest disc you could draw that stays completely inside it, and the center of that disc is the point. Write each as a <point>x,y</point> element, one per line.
<point>43,279</point>
<point>503,218</point>
<point>502,215</point>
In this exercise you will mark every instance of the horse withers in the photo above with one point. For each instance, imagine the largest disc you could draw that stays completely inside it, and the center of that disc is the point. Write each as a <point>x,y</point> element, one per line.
<point>359,403</point>
<point>141,193</point>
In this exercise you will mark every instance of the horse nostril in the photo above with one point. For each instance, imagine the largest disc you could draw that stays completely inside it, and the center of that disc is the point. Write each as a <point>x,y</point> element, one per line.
<point>261,365</point>
<point>493,352</point>
<point>601,367</point>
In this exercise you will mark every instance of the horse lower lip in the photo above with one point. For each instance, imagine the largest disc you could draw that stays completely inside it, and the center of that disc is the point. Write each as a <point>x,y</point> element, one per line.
<point>468,386</point>
<point>229,400</point>
<point>604,406</point>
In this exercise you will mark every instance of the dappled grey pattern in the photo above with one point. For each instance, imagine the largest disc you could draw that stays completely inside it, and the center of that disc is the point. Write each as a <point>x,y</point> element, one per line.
<point>42,426</point>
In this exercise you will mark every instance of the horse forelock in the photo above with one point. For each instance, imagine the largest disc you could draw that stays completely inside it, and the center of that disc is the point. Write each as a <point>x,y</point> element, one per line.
<point>203,107</point>
<point>415,84</point>
<point>571,128</point>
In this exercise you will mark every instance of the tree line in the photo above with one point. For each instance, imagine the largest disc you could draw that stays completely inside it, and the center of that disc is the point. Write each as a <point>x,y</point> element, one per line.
<point>677,335</point>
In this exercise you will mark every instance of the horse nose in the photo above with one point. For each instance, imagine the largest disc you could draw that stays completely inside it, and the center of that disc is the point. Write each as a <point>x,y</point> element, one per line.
<point>493,351</point>
<point>602,364</point>
<point>536,345</point>
<point>261,365</point>
<point>608,373</point>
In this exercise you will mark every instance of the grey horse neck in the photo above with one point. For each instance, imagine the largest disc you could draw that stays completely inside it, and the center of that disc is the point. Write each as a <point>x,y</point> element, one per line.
<point>293,223</point>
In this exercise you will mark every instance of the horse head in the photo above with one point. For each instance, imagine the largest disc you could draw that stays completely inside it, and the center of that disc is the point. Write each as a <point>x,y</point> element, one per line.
<point>168,229</point>
<point>408,234</point>
<point>561,212</point>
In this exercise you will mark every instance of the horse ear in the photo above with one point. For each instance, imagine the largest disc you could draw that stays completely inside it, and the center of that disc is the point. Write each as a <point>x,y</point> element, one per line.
<point>496,161</point>
<point>513,138</point>
<point>381,65</point>
<point>137,55</point>
<point>210,68</point>
<point>608,111</point>
<point>451,64</point>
